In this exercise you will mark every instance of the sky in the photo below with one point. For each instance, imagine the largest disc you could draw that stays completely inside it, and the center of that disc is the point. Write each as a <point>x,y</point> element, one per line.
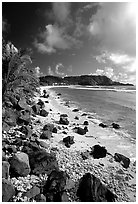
<point>75,38</point>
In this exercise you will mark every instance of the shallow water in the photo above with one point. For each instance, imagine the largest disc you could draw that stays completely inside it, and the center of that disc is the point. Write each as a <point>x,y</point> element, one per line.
<point>110,104</point>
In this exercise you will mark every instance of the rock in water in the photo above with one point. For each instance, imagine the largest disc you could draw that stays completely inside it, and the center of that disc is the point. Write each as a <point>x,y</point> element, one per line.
<point>115,125</point>
<point>55,186</point>
<point>43,113</point>
<point>81,131</point>
<point>8,190</point>
<point>102,125</point>
<point>92,190</point>
<point>63,120</point>
<point>41,103</point>
<point>19,164</point>
<point>125,161</point>
<point>42,162</point>
<point>68,140</point>
<point>98,152</point>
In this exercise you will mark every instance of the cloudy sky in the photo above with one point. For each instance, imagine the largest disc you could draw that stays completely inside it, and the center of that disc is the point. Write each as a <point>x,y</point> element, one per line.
<point>75,38</point>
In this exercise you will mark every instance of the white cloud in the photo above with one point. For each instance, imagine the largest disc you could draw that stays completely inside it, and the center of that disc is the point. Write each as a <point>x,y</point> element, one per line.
<point>50,71</point>
<point>55,38</point>
<point>59,67</point>
<point>114,25</point>
<point>61,10</point>
<point>37,72</point>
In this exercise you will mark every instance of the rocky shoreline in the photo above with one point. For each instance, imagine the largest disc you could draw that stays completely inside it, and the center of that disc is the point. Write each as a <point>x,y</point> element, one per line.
<point>53,150</point>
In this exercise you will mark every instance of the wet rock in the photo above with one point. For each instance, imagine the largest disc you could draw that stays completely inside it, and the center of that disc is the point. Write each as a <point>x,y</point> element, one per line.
<point>43,113</point>
<point>92,190</point>
<point>125,161</point>
<point>42,162</point>
<point>40,198</point>
<point>32,192</point>
<point>46,134</point>
<point>5,169</point>
<point>55,186</point>
<point>19,164</point>
<point>102,125</point>
<point>48,126</point>
<point>98,152</point>
<point>8,190</point>
<point>36,109</point>
<point>85,122</point>
<point>63,120</point>
<point>115,126</point>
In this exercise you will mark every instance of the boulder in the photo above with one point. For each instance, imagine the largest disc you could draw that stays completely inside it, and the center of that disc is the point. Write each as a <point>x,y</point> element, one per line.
<point>75,110</point>
<point>10,117</point>
<point>30,147</point>
<point>36,109</point>
<point>31,193</point>
<point>48,126</point>
<point>68,140</point>
<point>125,161</point>
<point>92,190</point>
<point>23,105</point>
<point>81,131</point>
<point>115,126</point>
<point>42,162</point>
<point>55,186</point>
<point>19,164</point>
<point>85,122</point>
<point>26,130</point>
<point>8,190</point>
<point>43,113</point>
<point>40,198</point>
<point>43,144</point>
<point>98,152</point>
<point>41,103</point>
<point>63,120</point>
<point>5,169</point>
<point>54,130</point>
<point>24,117</point>
<point>102,125</point>
<point>46,134</point>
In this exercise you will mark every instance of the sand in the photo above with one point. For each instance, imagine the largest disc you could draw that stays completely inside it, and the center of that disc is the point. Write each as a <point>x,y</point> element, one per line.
<point>120,180</point>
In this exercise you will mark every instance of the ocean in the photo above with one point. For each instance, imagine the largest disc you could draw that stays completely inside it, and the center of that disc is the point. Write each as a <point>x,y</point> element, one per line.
<point>106,104</point>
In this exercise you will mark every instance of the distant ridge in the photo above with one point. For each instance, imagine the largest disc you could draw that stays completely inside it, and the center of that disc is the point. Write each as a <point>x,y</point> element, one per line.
<point>86,80</point>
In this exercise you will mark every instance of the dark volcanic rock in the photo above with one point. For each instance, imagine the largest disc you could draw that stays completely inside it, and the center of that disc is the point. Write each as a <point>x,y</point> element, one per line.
<point>49,127</point>
<point>42,162</point>
<point>54,130</point>
<point>115,125</point>
<point>46,134</point>
<point>76,118</point>
<point>125,161</point>
<point>36,109</point>
<point>98,152</point>
<point>55,186</point>
<point>69,140</point>
<point>5,169</point>
<point>86,123</point>
<point>102,125</point>
<point>12,149</point>
<point>30,147</point>
<point>86,129</point>
<point>75,110</point>
<point>41,103</point>
<point>24,118</point>
<point>8,190</point>
<point>81,131</point>
<point>64,115</point>
<point>63,120</point>
<point>43,113</point>
<point>19,164</point>
<point>92,190</point>
<point>26,130</point>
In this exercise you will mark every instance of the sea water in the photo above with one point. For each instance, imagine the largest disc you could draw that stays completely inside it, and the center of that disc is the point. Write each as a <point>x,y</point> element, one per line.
<point>108,104</point>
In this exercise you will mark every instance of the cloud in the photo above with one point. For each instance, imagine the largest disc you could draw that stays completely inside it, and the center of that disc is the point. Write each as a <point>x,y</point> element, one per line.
<point>114,25</point>
<point>59,66</point>
<point>61,11</point>
<point>50,71</point>
<point>53,38</point>
<point>37,72</point>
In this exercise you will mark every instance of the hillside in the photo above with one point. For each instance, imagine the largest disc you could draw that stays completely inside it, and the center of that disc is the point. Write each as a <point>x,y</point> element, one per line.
<point>91,80</point>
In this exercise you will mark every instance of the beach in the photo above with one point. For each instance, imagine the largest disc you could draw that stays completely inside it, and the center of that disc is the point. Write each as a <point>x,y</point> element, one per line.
<point>120,180</point>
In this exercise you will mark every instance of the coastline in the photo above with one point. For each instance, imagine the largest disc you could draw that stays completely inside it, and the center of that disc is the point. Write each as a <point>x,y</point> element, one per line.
<point>104,168</point>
